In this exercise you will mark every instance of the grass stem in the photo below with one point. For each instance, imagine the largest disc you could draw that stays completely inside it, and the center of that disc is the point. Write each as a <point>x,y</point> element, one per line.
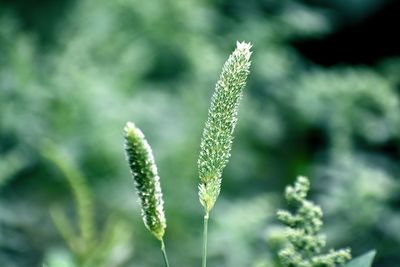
<point>205,233</point>
<point>164,252</point>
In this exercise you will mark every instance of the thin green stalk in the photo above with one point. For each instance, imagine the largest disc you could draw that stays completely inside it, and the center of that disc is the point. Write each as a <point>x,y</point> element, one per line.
<point>205,233</point>
<point>164,253</point>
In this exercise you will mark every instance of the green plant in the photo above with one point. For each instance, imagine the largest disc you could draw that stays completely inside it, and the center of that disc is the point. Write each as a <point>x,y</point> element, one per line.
<point>147,182</point>
<point>90,246</point>
<point>215,149</point>
<point>305,243</point>
<point>217,137</point>
<point>158,71</point>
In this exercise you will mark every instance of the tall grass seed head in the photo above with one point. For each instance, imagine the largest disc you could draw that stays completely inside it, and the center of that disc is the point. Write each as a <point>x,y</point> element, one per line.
<point>217,136</point>
<point>146,179</point>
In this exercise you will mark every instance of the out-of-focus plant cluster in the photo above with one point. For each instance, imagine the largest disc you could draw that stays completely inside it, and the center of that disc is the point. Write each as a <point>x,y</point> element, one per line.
<point>73,72</point>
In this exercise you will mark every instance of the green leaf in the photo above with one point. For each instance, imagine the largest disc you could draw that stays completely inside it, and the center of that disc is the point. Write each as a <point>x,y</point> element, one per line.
<point>364,260</point>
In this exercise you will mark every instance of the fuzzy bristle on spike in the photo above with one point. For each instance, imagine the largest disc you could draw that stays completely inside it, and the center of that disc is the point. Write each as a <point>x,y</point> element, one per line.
<point>217,136</point>
<point>146,179</point>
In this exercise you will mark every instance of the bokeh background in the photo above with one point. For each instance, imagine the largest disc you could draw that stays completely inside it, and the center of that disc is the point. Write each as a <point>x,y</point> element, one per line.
<point>322,100</point>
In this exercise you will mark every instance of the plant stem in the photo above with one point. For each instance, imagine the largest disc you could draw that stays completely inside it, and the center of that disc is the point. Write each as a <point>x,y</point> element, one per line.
<point>164,252</point>
<point>205,233</point>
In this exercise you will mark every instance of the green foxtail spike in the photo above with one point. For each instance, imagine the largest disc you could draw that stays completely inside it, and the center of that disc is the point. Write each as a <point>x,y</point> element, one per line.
<point>147,181</point>
<point>217,137</point>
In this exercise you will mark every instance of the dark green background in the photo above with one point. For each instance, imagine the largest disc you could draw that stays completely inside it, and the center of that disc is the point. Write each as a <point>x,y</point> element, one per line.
<point>322,100</point>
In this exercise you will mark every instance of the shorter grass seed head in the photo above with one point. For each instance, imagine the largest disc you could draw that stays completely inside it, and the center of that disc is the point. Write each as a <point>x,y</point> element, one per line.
<point>146,179</point>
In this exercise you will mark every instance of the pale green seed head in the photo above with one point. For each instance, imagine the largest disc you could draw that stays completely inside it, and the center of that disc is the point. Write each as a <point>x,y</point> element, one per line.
<point>146,179</point>
<point>217,136</point>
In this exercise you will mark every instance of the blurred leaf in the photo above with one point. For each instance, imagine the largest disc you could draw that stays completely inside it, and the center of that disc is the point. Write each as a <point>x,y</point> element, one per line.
<point>364,260</point>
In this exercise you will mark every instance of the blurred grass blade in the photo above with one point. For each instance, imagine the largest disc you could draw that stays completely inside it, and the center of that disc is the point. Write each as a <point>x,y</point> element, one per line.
<point>364,260</point>
<point>65,228</point>
<point>11,163</point>
<point>80,189</point>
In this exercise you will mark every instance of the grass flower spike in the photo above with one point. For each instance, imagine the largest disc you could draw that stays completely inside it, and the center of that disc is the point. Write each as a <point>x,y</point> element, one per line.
<point>217,137</point>
<point>147,182</point>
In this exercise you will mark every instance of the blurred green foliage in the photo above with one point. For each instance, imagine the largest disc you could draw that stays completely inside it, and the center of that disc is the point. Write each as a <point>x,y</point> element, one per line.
<point>73,72</point>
